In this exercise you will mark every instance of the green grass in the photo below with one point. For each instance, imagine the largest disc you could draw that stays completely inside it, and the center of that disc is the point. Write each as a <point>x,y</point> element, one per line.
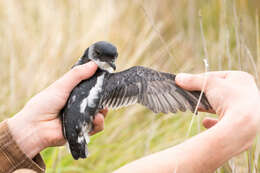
<point>40,40</point>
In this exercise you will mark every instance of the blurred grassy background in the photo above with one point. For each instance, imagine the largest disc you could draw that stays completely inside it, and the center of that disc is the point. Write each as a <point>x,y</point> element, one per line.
<point>40,40</point>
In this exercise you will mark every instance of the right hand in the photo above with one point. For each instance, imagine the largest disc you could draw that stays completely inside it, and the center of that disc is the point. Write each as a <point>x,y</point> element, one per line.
<point>235,98</point>
<point>227,91</point>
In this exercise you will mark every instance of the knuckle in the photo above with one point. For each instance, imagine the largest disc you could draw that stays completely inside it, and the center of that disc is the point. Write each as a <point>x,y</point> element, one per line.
<point>77,72</point>
<point>211,83</point>
<point>206,81</point>
<point>189,80</point>
<point>247,75</point>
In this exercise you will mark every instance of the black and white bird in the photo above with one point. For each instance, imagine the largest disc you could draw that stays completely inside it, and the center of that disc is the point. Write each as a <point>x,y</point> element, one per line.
<point>155,90</point>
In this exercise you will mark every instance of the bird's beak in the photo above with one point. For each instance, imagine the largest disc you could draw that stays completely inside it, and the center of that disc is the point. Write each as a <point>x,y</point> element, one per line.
<point>112,65</point>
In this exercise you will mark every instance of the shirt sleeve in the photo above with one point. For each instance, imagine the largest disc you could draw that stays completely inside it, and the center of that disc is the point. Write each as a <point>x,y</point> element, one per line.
<point>11,156</point>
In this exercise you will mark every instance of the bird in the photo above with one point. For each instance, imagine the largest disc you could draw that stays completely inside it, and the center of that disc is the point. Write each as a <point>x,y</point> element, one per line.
<point>108,89</point>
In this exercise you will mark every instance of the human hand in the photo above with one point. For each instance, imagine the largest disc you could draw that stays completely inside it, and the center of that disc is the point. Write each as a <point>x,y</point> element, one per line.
<point>38,125</point>
<point>233,96</point>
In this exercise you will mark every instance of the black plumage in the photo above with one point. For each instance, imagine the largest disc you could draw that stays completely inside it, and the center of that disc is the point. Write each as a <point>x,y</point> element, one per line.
<point>155,90</point>
<point>76,122</point>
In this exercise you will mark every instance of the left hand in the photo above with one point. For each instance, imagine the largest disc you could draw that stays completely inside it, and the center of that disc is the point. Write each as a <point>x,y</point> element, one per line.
<point>37,125</point>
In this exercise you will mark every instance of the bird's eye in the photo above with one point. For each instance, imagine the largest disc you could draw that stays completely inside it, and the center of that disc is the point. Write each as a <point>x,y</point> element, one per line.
<point>98,53</point>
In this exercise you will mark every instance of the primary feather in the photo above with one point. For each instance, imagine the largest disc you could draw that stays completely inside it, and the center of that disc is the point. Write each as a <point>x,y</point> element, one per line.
<point>155,90</point>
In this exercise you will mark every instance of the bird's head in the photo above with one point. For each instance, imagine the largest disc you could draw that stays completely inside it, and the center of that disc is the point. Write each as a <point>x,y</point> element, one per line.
<point>103,54</point>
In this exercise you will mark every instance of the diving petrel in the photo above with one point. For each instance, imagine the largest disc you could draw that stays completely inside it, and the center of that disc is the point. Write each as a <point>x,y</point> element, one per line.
<point>155,90</point>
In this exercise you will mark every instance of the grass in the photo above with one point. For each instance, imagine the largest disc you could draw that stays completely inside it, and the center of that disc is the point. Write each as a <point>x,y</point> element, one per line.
<point>40,40</point>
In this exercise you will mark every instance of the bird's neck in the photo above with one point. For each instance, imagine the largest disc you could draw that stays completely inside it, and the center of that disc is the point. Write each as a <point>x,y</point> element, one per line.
<point>84,59</point>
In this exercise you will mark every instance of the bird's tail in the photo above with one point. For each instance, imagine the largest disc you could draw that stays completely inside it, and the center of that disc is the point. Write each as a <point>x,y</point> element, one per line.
<point>77,139</point>
<point>79,148</point>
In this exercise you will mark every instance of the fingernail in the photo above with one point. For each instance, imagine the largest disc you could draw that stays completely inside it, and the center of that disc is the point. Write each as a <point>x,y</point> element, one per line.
<point>182,78</point>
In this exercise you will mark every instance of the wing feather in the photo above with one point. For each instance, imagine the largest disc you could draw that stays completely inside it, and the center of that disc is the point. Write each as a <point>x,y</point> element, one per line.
<point>116,97</point>
<point>119,96</point>
<point>155,90</point>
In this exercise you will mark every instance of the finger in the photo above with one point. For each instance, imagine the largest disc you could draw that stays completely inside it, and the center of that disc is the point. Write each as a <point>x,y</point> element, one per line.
<point>98,124</point>
<point>198,81</point>
<point>73,77</point>
<point>104,112</point>
<point>190,82</point>
<point>217,74</point>
<point>209,122</point>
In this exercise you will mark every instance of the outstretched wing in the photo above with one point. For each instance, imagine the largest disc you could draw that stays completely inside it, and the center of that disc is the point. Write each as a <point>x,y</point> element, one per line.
<point>155,90</point>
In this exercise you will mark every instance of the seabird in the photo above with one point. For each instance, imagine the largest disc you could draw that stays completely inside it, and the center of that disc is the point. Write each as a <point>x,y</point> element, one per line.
<point>155,90</point>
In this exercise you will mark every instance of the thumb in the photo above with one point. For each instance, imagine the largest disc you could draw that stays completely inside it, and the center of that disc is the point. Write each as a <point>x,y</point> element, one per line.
<point>190,82</point>
<point>73,77</point>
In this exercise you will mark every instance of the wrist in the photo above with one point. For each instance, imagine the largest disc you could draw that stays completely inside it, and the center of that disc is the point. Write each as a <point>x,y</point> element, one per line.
<point>26,135</point>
